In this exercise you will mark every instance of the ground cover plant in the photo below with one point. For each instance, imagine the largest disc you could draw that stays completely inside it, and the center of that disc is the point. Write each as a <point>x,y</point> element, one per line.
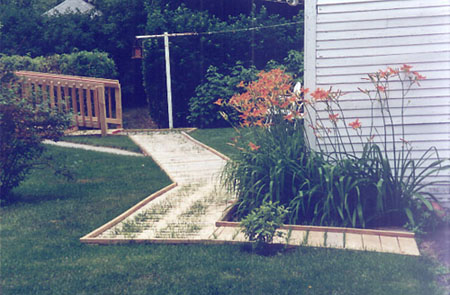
<point>345,183</point>
<point>114,141</point>
<point>41,252</point>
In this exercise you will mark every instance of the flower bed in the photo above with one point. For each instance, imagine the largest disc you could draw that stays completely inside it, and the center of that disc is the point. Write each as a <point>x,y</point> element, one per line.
<point>357,177</point>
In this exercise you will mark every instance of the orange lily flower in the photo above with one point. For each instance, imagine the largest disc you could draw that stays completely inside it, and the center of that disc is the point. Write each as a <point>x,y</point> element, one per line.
<point>289,117</point>
<point>320,94</point>
<point>333,117</point>
<point>355,124</point>
<point>406,68</point>
<point>219,102</point>
<point>253,146</point>
<point>381,88</point>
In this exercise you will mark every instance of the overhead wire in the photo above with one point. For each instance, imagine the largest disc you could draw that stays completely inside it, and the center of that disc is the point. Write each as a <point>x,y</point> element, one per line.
<point>216,32</point>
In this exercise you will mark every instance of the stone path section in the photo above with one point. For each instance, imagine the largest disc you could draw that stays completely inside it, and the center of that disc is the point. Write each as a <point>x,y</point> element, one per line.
<point>188,211</point>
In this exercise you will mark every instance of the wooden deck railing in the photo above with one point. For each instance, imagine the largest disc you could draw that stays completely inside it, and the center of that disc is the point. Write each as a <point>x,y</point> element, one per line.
<point>94,102</point>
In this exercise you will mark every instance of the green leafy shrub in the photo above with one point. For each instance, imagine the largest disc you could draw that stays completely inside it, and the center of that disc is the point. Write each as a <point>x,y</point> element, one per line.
<point>24,124</point>
<point>223,84</point>
<point>292,65</point>
<point>82,63</point>
<point>203,112</point>
<point>91,64</point>
<point>261,224</point>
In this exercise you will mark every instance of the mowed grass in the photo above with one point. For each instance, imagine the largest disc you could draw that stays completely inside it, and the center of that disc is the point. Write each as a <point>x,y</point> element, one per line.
<point>41,252</point>
<point>217,138</point>
<point>115,141</point>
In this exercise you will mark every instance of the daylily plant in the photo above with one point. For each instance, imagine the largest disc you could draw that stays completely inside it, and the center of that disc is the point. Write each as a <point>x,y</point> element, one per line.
<point>392,182</point>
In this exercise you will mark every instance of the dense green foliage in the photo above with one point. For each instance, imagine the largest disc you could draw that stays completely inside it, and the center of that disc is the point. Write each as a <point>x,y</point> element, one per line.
<point>222,84</point>
<point>83,63</point>
<point>202,110</point>
<point>42,254</point>
<point>24,124</point>
<point>192,56</point>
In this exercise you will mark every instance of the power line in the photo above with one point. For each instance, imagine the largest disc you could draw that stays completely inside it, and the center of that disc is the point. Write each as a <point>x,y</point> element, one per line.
<point>215,32</point>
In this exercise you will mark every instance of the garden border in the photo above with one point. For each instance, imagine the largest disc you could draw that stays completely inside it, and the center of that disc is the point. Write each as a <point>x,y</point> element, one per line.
<point>225,222</point>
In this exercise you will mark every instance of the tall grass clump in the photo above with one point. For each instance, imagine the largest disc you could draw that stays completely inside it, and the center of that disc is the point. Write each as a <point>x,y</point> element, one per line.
<point>353,178</point>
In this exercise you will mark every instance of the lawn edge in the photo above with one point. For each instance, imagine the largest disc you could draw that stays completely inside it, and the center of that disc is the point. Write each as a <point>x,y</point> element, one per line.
<point>217,153</point>
<point>90,237</point>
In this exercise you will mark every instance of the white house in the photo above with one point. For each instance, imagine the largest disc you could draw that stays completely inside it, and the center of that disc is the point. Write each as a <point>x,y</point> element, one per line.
<point>346,39</point>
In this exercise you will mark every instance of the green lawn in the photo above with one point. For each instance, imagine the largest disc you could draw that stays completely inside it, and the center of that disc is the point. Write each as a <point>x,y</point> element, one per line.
<point>218,138</point>
<point>115,141</point>
<point>41,252</point>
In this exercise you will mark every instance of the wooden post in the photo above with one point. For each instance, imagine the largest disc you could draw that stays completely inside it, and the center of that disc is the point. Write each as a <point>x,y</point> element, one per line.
<point>44,93</point>
<point>168,79</point>
<point>118,98</point>
<point>96,105</point>
<point>102,110</point>
<point>59,95</point>
<point>89,104</point>
<point>74,104</point>
<point>52,94</point>
<point>110,115</point>
<point>68,94</point>
<point>81,99</point>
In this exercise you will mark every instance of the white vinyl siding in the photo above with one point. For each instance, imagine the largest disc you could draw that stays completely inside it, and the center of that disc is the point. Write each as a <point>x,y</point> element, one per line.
<point>347,39</point>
